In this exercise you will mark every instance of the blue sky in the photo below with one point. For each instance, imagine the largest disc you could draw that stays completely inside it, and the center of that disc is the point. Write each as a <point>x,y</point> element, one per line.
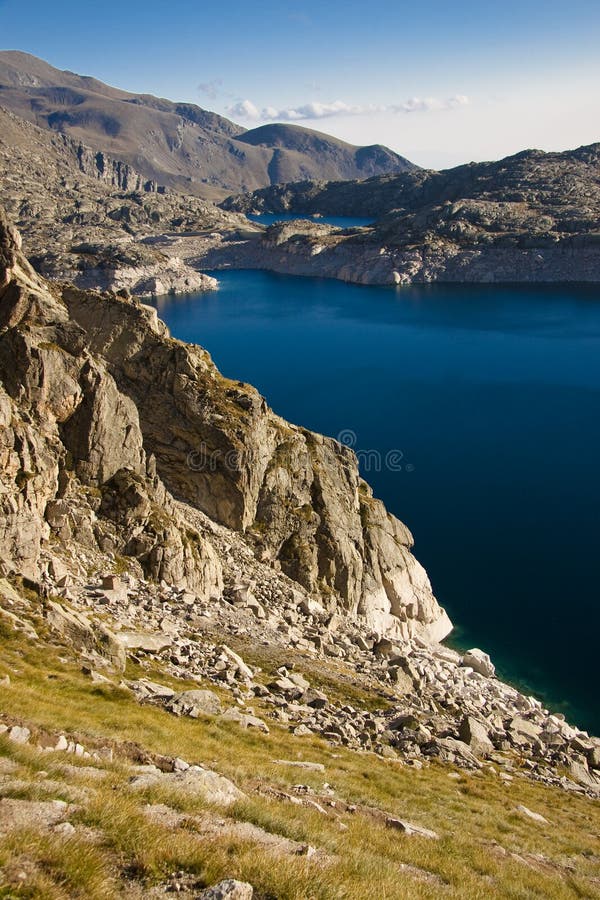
<point>440,82</point>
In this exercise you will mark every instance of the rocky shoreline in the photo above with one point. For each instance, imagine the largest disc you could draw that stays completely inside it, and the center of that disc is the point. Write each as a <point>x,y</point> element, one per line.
<point>92,221</point>
<point>313,250</point>
<point>529,218</point>
<point>436,704</point>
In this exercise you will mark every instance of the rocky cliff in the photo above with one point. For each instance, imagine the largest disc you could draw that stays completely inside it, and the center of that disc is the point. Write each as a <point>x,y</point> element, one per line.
<point>149,507</point>
<point>532,217</point>
<point>106,418</point>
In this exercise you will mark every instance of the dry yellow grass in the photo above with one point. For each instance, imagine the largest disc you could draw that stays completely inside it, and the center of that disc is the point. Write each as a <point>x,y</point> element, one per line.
<point>486,848</point>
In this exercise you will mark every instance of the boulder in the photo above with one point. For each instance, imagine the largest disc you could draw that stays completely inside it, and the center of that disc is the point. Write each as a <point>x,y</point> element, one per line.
<point>237,662</point>
<point>480,662</point>
<point>475,733</point>
<point>114,588</point>
<point>85,635</point>
<point>523,731</point>
<point>580,773</point>
<point>214,788</point>
<point>283,685</point>
<point>150,643</point>
<point>410,828</point>
<point>301,764</point>
<point>194,703</point>
<point>536,817</point>
<point>315,699</point>
<point>593,757</point>
<point>152,690</point>
<point>244,720</point>
<point>299,680</point>
<point>19,734</point>
<point>386,647</point>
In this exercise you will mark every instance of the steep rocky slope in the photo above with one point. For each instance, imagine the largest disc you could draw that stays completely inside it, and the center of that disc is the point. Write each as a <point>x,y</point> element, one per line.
<point>198,602</point>
<point>179,144</point>
<point>164,528</point>
<point>530,217</point>
<point>103,409</point>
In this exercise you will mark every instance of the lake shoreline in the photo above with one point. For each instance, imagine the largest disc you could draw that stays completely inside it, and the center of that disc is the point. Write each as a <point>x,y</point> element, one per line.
<point>234,343</point>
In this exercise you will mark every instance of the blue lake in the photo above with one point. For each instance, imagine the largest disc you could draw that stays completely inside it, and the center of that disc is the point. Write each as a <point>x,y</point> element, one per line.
<point>338,221</point>
<point>490,398</point>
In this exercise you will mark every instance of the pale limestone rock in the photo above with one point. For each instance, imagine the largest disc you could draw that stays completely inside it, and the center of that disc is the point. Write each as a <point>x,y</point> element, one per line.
<point>536,817</point>
<point>244,720</point>
<point>237,661</point>
<point>580,773</point>
<point>150,643</point>
<point>195,702</point>
<point>19,734</point>
<point>409,828</point>
<point>213,787</point>
<point>480,662</point>
<point>301,764</point>
<point>524,731</point>
<point>475,734</point>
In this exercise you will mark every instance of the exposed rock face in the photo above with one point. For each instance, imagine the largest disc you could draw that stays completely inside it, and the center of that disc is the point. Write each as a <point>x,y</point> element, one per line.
<point>68,433</point>
<point>117,174</point>
<point>297,495</point>
<point>105,415</point>
<point>531,217</point>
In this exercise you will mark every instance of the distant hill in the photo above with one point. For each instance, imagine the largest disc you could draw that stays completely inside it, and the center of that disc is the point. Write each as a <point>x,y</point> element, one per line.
<point>180,145</point>
<point>532,217</point>
<point>565,185</point>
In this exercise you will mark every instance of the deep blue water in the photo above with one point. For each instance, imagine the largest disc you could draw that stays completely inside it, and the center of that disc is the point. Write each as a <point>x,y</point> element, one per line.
<point>339,221</point>
<point>492,395</point>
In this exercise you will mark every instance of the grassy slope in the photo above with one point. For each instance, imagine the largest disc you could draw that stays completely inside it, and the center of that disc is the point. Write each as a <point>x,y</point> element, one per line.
<point>474,814</point>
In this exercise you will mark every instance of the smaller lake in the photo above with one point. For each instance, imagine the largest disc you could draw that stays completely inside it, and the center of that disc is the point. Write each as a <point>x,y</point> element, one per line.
<point>338,221</point>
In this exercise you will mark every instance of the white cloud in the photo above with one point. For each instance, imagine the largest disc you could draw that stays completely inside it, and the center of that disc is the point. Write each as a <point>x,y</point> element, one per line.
<point>429,104</point>
<point>245,109</point>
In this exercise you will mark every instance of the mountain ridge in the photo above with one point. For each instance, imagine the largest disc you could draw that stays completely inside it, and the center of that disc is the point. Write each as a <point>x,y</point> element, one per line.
<point>180,145</point>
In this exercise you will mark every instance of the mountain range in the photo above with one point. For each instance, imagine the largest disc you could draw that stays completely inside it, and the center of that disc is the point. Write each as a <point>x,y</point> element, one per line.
<point>180,145</point>
<point>114,170</point>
